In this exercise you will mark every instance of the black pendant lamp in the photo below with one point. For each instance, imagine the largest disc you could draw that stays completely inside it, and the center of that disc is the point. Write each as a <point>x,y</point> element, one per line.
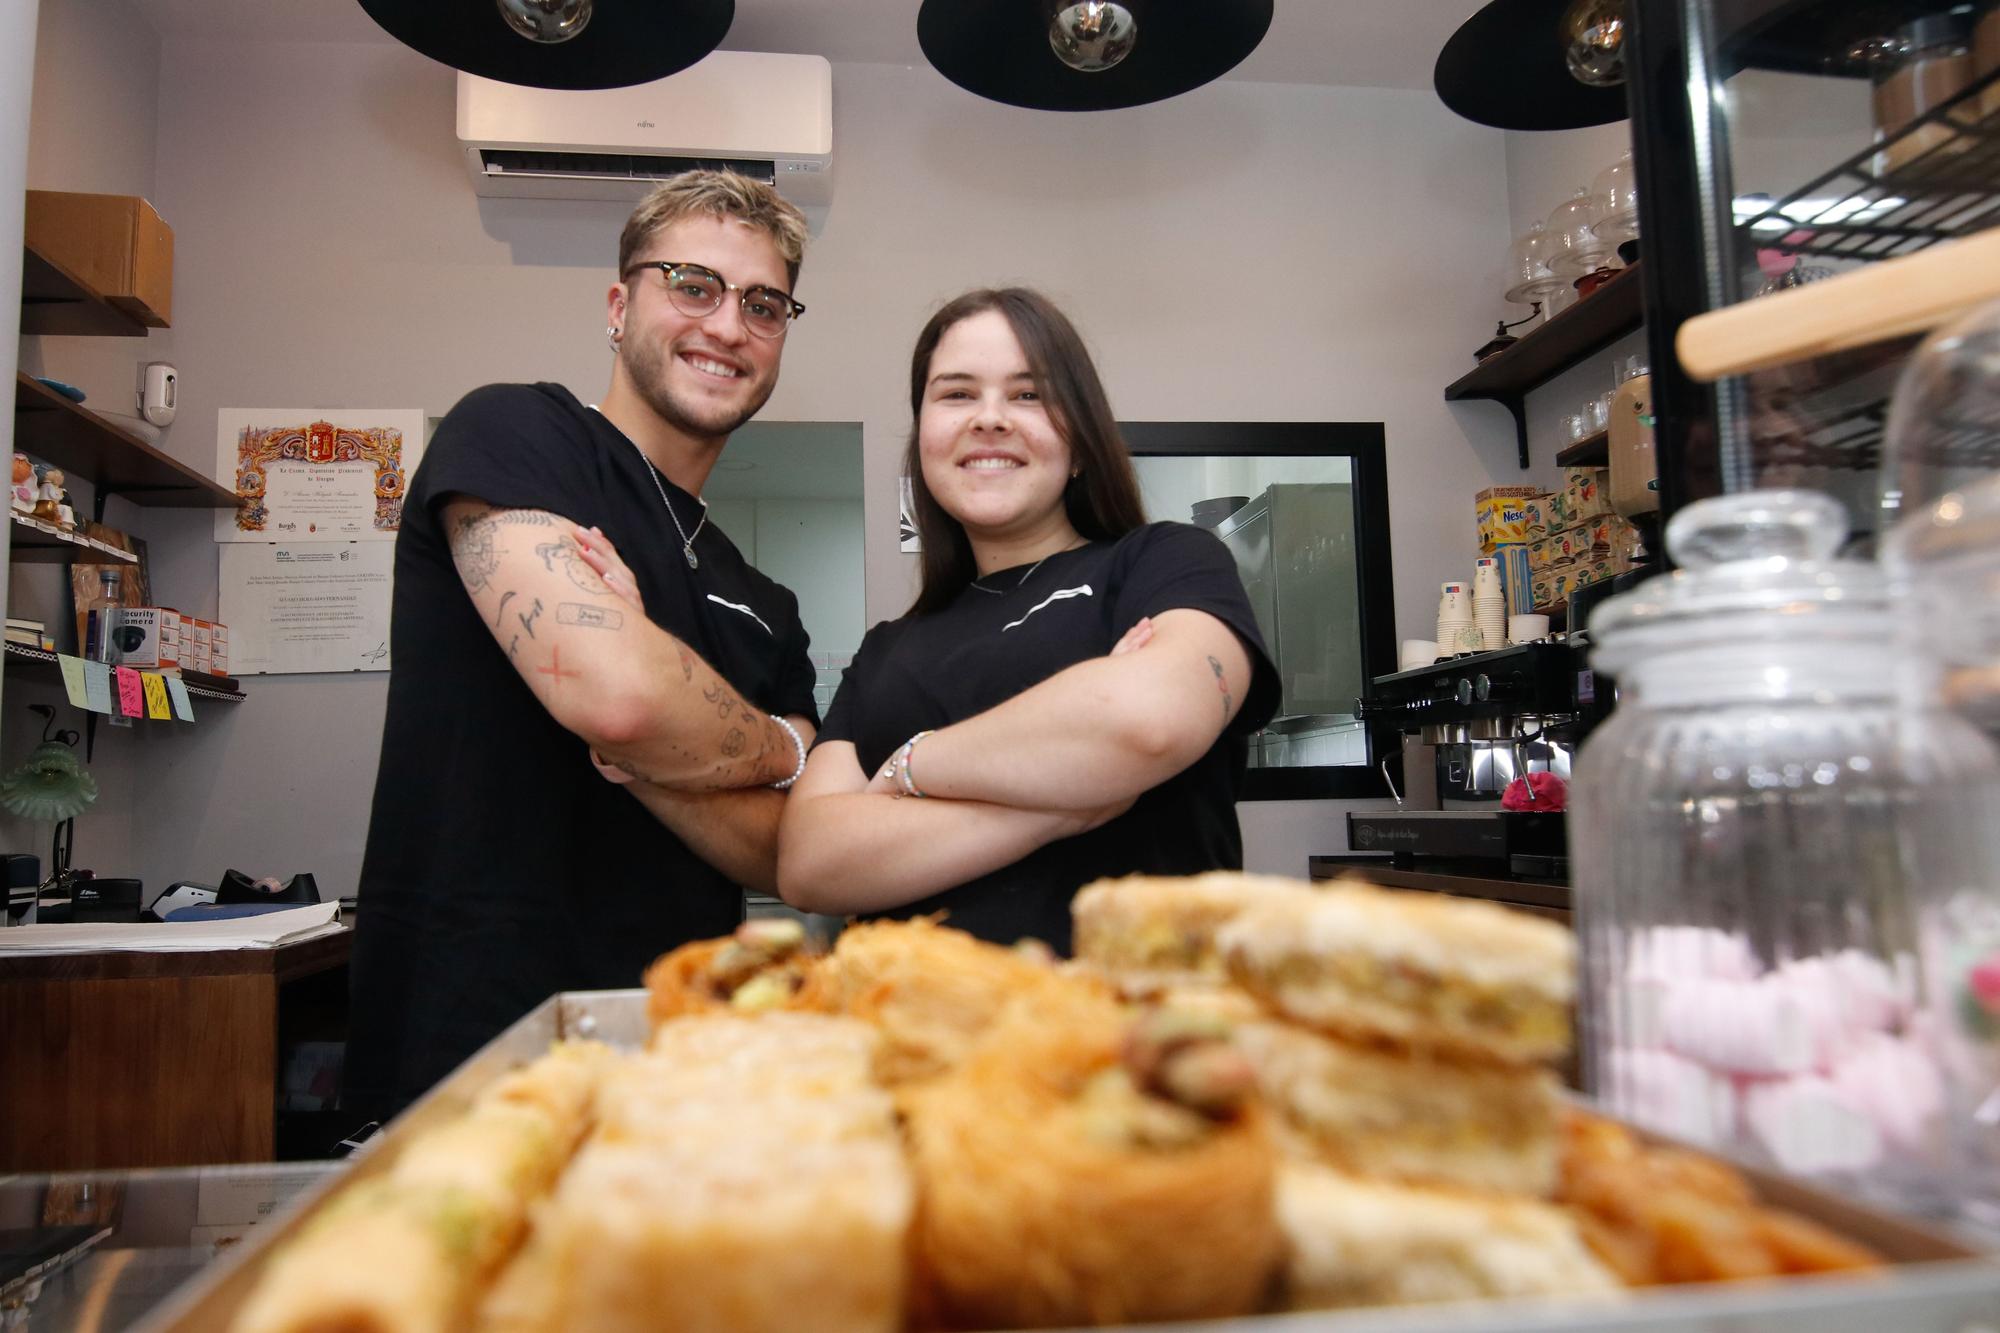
<point>1536,65</point>
<point>1088,55</point>
<point>559,43</point>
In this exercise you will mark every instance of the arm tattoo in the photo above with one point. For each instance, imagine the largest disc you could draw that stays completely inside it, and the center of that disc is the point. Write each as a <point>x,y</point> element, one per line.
<point>528,618</point>
<point>525,518</point>
<point>589,617</point>
<point>501,613</point>
<point>1222,684</point>
<point>472,550</point>
<point>733,743</point>
<point>582,575</point>
<point>687,664</point>
<point>724,702</point>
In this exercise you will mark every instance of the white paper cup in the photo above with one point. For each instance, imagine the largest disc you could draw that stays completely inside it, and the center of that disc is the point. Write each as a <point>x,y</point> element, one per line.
<point>1416,653</point>
<point>1527,628</point>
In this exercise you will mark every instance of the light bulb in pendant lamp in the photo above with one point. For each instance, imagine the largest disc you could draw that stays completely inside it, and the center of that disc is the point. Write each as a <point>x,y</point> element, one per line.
<point>549,21</point>
<point>577,44</point>
<point>1593,34</point>
<point>1087,55</point>
<point>1092,35</point>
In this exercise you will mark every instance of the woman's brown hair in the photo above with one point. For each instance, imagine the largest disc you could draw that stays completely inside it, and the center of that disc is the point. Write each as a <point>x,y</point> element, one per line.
<point>1103,501</point>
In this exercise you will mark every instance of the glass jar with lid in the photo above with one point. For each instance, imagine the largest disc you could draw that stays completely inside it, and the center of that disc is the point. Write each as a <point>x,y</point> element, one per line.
<point>1786,871</point>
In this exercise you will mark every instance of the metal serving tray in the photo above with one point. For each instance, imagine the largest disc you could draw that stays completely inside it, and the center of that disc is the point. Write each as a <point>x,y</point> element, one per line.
<point>1943,1284</point>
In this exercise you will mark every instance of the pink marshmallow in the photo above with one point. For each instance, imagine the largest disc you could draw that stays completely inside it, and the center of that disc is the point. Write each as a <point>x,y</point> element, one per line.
<point>1896,1084</point>
<point>1739,1027</point>
<point>1809,1127</point>
<point>1671,1095</point>
<point>1863,992</point>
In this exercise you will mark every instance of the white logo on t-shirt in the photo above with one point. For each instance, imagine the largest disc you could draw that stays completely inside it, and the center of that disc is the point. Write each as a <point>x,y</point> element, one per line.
<point>738,606</point>
<point>1081,590</point>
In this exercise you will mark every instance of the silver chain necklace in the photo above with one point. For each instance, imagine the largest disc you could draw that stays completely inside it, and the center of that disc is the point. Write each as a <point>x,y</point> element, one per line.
<point>687,538</point>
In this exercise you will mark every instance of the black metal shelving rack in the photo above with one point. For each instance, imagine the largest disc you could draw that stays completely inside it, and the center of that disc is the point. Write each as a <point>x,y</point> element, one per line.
<point>1822,419</point>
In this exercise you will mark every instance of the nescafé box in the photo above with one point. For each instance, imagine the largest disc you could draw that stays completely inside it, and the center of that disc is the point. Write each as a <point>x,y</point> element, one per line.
<point>1502,516</point>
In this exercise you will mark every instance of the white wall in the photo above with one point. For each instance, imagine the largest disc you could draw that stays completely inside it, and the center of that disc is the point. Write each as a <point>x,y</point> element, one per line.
<point>330,251</point>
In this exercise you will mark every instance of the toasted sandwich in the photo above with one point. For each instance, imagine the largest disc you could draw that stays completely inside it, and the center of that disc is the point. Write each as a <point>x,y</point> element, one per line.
<point>1149,933</point>
<point>1384,1113</point>
<point>1447,976</point>
<point>1356,1242</point>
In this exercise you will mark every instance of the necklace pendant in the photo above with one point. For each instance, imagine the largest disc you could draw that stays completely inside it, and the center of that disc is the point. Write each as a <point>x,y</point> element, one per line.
<point>688,551</point>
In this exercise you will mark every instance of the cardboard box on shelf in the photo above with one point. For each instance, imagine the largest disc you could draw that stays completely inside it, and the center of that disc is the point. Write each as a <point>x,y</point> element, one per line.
<point>1585,496</point>
<point>1604,567</point>
<point>1501,519</point>
<point>1538,515</point>
<point>1554,584</point>
<point>140,636</point>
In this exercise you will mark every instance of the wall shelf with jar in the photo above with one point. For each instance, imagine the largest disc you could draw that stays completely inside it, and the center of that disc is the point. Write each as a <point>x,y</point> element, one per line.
<point>1538,356</point>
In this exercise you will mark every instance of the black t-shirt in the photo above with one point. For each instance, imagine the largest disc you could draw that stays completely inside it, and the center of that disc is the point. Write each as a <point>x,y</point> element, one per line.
<point>500,867</point>
<point>1006,633</point>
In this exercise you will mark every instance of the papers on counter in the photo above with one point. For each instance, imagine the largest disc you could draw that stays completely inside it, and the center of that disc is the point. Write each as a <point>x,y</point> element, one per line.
<point>251,932</point>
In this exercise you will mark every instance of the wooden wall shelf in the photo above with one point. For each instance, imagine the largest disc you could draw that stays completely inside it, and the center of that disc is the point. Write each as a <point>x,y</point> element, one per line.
<point>1590,451</point>
<point>80,442</point>
<point>55,300</point>
<point>1589,326</point>
<point>33,542</point>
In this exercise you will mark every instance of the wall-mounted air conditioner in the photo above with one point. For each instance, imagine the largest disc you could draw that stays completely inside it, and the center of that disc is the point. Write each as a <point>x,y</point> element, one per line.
<point>768,116</point>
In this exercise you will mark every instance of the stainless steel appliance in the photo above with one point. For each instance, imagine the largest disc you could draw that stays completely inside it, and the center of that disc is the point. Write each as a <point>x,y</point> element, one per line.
<point>1471,725</point>
<point>1294,545</point>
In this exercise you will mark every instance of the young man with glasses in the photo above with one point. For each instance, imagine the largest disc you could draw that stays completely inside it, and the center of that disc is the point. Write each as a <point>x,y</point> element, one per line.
<point>499,868</point>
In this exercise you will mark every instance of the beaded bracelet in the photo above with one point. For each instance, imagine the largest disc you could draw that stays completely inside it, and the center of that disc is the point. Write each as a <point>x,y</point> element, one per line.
<point>902,765</point>
<point>799,744</point>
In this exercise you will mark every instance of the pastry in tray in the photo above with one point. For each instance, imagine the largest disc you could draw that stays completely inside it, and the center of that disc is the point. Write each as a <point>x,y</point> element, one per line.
<point>1151,933</point>
<point>1659,1214</point>
<point>1078,1169</point>
<point>931,991</point>
<point>745,1175</point>
<point>1385,1113</point>
<point>410,1249</point>
<point>1351,1241</point>
<point>1447,976</point>
<point>764,965</point>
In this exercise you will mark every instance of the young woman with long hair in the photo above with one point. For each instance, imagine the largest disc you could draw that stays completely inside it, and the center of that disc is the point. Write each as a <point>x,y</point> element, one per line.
<point>1067,697</point>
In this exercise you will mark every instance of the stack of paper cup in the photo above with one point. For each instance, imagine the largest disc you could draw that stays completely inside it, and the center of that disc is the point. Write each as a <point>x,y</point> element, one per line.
<point>1489,604</point>
<point>1416,654</point>
<point>1456,630</point>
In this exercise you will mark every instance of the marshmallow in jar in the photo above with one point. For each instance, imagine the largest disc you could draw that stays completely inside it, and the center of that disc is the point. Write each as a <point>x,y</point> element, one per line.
<point>1770,839</point>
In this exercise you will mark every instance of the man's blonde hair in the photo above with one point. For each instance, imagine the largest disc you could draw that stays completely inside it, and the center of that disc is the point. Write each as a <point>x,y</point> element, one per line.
<point>717,194</point>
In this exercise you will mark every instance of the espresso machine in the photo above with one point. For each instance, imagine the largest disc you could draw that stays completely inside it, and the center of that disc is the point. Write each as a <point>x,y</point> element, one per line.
<point>1469,726</point>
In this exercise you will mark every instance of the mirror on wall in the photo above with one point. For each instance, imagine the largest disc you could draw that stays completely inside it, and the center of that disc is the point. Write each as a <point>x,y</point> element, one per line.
<point>1303,506</point>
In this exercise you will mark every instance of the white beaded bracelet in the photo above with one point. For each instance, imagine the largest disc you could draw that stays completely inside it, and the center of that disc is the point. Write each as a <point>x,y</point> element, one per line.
<point>799,744</point>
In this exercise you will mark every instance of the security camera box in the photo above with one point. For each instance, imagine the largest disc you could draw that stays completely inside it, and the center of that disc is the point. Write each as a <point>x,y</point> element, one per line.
<point>142,636</point>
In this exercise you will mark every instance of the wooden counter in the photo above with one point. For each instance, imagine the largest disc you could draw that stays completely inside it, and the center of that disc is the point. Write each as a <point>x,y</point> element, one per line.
<point>130,1059</point>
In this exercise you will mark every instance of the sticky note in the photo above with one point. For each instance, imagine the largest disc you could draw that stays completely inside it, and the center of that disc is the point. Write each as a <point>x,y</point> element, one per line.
<point>97,687</point>
<point>183,706</point>
<point>72,672</point>
<point>156,696</point>
<point>131,694</point>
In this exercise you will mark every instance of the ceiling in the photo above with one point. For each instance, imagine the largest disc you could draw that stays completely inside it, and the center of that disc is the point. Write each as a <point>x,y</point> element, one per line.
<point>1371,43</point>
